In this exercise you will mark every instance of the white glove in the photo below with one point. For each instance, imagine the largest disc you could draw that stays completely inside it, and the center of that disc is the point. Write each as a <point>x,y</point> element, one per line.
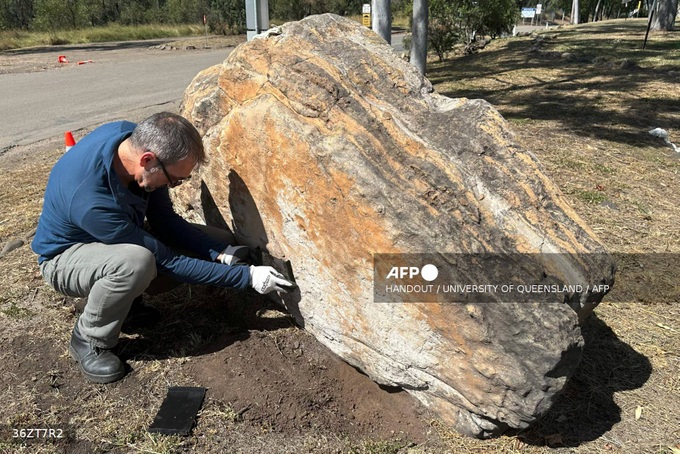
<point>235,255</point>
<point>266,279</point>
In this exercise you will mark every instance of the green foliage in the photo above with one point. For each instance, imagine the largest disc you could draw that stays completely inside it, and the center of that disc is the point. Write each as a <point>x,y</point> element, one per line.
<point>596,10</point>
<point>187,11</point>
<point>442,30</point>
<point>16,14</point>
<point>132,13</point>
<point>14,311</point>
<point>297,9</point>
<point>454,22</point>
<point>497,17</point>
<point>485,17</point>
<point>228,16</point>
<point>14,39</point>
<point>52,15</point>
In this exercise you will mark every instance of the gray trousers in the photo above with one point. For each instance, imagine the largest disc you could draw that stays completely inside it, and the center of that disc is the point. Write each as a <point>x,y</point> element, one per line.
<point>111,276</point>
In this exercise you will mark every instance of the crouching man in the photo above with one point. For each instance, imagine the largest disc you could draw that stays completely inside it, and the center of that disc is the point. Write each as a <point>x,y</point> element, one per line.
<point>92,243</point>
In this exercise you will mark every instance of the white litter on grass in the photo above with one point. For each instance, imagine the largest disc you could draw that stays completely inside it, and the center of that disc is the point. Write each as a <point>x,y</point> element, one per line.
<point>662,133</point>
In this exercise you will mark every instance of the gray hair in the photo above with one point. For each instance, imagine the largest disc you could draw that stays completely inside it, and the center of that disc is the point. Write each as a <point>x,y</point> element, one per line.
<point>170,136</point>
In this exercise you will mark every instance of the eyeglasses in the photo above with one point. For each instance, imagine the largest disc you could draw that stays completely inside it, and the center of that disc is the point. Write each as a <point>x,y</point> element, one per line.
<point>171,183</point>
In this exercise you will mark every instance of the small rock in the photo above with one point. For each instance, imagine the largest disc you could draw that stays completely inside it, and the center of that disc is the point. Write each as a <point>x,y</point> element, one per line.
<point>628,64</point>
<point>568,56</point>
<point>11,245</point>
<point>610,205</point>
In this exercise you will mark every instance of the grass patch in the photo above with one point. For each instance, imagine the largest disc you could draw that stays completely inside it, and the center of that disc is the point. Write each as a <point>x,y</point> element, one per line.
<point>378,447</point>
<point>591,196</point>
<point>149,443</point>
<point>14,39</point>
<point>14,311</point>
<point>582,99</point>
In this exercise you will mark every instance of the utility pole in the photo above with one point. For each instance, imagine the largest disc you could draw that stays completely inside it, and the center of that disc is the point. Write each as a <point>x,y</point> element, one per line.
<point>257,17</point>
<point>382,19</point>
<point>419,35</point>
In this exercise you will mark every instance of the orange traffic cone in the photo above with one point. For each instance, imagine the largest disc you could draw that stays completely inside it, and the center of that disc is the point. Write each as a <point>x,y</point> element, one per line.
<point>68,139</point>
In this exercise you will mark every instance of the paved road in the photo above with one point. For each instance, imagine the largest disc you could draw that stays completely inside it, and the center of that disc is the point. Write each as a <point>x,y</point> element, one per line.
<point>41,105</point>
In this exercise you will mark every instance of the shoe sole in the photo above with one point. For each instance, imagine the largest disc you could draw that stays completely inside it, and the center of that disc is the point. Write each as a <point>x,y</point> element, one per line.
<point>102,379</point>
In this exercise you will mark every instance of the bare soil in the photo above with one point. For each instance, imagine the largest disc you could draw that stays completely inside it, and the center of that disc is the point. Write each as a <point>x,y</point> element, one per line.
<point>272,388</point>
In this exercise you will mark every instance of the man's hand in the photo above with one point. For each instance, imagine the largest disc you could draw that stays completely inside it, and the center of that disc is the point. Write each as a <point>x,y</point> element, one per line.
<point>266,279</point>
<point>235,255</point>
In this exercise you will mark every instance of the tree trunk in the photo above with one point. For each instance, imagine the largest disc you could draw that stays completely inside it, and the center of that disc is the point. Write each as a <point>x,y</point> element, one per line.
<point>419,35</point>
<point>664,16</point>
<point>382,19</point>
<point>574,12</point>
<point>597,10</point>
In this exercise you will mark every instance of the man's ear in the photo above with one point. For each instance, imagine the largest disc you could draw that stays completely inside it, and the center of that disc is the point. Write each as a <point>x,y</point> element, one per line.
<point>146,158</point>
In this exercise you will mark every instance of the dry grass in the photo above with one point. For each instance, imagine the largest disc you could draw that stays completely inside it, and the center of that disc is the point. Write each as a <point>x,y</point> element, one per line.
<point>15,39</point>
<point>583,100</point>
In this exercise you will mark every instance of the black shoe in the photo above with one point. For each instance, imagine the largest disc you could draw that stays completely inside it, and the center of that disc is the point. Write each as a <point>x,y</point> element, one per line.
<point>98,365</point>
<point>141,316</point>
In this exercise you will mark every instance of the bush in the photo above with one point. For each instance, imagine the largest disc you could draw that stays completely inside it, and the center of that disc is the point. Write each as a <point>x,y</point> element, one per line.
<point>453,22</point>
<point>442,33</point>
<point>227,17</point>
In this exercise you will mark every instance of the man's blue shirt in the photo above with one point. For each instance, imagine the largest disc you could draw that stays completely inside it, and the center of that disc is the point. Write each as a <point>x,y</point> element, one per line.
<point>85,202</point>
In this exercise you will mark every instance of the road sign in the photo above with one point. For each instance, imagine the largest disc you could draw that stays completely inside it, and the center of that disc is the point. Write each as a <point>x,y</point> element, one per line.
<point>366,8</point>
<point>366,20</point>
<point>528,13</point>
<point>538,8</point>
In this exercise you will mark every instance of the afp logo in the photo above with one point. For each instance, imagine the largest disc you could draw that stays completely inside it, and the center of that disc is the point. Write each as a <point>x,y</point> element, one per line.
<point>428,272</point>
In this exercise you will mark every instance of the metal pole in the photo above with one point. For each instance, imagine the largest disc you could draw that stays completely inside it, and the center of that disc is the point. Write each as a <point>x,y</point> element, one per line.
<point>649,25</point>
<point>205,23</point>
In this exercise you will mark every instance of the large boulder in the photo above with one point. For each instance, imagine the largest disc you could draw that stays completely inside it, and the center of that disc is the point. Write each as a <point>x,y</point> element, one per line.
<point>328,150</point>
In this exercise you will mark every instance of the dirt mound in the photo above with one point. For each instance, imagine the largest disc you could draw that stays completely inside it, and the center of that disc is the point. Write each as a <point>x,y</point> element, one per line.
<point>288,382</point>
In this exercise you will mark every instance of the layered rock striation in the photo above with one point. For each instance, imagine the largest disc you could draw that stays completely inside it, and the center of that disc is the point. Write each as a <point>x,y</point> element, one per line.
<point>327,149</point>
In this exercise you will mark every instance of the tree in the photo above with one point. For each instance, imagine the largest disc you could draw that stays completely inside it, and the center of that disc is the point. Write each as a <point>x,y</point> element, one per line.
<point>442,31</point>
<point>16,14</point>
<point>298,9</point>
<point>574,12</point>
<point>497,17</point>
<point>231,16</point>
<point>463,21</point>
<point>382,19</point>
<point>53,15</point>
<point>664,15</point>
<point>419,35</point>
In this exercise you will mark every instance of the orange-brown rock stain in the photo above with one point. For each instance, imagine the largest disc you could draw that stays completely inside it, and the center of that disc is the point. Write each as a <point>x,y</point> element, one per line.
<point>299,113</point>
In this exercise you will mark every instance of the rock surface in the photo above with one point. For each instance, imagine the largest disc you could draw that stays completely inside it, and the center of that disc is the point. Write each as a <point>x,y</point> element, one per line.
<point>325,148</point>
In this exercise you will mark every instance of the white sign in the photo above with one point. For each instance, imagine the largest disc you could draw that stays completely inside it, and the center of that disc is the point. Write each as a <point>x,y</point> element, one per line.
<point>528,13</point>
<point>366,9</point>
<point>538,8</point>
